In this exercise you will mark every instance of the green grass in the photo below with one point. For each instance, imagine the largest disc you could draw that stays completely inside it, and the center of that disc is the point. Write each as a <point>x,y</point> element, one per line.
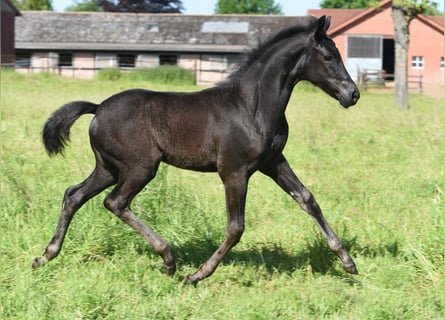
<point>377,172</point>
<point>172,75</point>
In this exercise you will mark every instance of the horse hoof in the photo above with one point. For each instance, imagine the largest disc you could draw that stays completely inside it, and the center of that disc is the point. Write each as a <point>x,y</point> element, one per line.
<point>38,262</point>
<point>170,270</point>
<point>190,280</point>
<point>350,268</point>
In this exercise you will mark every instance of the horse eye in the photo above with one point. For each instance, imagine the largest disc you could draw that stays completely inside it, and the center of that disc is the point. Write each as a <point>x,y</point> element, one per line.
<point>328,57</point>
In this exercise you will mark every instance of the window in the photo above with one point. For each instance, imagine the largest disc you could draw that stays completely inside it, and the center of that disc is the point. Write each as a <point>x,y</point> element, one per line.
<point>441,63</point>
<point>364,47</point>
<point>126,60</point>
<point>23,60</point>
<point>218,63</point>
<point>65,60</point>
<point>168,60</point>
<point>225,27</point>
<point>417,62</point>
<point>153,28</point>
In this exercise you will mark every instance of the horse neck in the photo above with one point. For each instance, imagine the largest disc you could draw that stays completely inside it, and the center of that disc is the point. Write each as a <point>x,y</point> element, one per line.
<point>269,85</point>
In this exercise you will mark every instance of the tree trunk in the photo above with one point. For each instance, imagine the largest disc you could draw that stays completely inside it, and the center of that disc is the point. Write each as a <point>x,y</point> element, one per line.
<point>401,42</point>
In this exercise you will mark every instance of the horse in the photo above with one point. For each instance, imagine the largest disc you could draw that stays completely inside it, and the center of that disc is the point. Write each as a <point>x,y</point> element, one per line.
<point>235,128</point>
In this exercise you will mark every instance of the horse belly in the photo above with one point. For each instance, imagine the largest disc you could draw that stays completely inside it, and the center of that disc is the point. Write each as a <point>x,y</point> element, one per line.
<point>191,164</point>
<point>188,152</point>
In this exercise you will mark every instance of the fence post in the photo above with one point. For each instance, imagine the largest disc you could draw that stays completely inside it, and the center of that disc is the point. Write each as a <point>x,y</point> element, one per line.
<point>420,84</point>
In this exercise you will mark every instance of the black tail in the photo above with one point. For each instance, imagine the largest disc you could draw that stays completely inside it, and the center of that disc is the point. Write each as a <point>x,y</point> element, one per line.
<point>56,132</point>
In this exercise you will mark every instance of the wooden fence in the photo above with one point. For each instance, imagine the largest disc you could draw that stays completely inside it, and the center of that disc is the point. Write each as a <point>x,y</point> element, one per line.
<point>379,78</point>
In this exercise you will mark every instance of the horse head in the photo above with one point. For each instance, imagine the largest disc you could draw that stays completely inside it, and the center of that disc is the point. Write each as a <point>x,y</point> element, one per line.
<point>324,66</point>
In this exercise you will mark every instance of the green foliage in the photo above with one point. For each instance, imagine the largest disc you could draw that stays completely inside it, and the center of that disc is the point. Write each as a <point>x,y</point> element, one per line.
<point>36,5</point>
<point>432,9</point>
<point>346,4</point>
<point>376,171</point>
<point>173,75</point>
<point>84,6</point>
<point>412,8</point>
<point>143,6</point>
<point>248,7</point>
<point>109,74</point>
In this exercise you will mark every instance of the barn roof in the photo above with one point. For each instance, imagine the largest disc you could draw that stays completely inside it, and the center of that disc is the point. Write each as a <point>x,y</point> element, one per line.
<point>144,32</point>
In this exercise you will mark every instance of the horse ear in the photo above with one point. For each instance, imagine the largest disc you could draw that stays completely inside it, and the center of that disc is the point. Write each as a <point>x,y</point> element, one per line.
<point>322,26</point>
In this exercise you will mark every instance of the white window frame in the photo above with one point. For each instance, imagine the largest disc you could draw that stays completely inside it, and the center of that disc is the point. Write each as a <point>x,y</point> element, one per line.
<point>417,62</point>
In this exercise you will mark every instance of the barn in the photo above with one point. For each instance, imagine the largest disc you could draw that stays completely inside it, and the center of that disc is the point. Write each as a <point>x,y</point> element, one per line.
<point>365,39</point>
<point>79,44</point>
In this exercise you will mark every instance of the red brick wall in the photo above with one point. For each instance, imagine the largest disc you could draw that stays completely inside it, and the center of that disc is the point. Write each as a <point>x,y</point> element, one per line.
<point>425,41</point>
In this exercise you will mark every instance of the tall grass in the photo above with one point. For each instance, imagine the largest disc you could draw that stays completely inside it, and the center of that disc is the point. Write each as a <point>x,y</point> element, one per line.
<point>377,172</point>
<point>171,75</point>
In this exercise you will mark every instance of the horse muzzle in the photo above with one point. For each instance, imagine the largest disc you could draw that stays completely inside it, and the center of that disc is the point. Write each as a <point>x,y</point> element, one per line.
<point>349,97</point>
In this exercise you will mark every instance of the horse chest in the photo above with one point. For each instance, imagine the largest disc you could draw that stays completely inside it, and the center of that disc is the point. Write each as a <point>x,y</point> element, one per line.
<point>258,148</point>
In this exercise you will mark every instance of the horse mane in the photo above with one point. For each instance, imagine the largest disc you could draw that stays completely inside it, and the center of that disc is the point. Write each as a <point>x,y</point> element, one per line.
<point>264,43</point>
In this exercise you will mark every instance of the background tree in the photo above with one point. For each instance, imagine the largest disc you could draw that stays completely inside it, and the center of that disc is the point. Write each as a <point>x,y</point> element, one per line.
<point>403,12</point>
<point>248,7</point>
<point>432,10</point>
<point>430,6</point>
<point>346,4</point>
<point>147,6</point>
<point>38,5</point>
<point>85,5</point>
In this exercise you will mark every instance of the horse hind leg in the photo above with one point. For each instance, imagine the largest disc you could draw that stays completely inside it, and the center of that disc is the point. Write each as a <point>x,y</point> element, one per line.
<point>118,202</point>
<point>74,198</point>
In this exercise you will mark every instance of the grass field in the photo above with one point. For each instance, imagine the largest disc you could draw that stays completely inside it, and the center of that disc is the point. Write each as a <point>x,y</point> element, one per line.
<point>377,172</point>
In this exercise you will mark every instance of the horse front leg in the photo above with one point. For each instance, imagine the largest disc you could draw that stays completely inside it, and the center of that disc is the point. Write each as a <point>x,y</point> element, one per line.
<point>235,186</point>
<point>280,171</point>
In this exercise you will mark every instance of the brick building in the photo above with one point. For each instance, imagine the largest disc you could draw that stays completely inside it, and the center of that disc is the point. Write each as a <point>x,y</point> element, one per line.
<point>78,44</point>
<point>365,39</point>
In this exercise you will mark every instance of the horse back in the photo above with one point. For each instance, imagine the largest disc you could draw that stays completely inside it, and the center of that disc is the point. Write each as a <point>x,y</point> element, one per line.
<point>203,131</point>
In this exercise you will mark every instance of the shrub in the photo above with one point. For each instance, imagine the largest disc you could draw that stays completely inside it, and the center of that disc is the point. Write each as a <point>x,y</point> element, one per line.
<point>163,75</point>
<point>109,74</point>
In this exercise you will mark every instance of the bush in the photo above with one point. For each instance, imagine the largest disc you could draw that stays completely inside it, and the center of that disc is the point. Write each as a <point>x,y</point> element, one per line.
<point>172,75</point>
<point>163,75</point>
<point>109,74</point>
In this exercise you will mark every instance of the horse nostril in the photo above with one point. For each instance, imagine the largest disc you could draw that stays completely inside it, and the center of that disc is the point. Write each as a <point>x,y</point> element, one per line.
<point>355,96</point>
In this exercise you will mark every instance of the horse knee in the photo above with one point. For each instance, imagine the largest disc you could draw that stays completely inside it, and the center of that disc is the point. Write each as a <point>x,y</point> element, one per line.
<point>72,199</point>
<point>115,204</point>
<point>234,232</point>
